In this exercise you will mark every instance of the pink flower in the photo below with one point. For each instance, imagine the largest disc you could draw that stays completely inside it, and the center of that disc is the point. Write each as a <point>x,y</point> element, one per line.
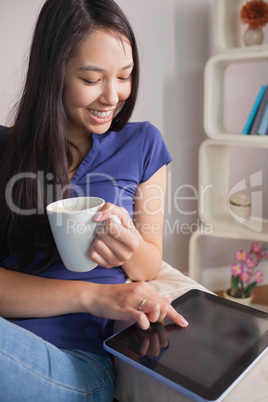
<point>237,269</point>
<point>256,248</point>
<point>251,262</point>
<point>259,257</point>
<point>244,272</point>
<point>263,255</point>
<point>258,276</point>
<point>245,277</point>
<point>240,255</point>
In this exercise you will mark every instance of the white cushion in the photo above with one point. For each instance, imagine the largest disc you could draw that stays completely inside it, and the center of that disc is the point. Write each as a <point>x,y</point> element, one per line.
<point>170,282</point>
<point>132,385</point>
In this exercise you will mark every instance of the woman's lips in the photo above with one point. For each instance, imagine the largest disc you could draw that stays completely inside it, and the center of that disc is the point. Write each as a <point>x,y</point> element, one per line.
<point>101,116</point>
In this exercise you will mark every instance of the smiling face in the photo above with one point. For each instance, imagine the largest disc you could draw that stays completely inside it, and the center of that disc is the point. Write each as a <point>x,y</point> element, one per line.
<point>97,82</point>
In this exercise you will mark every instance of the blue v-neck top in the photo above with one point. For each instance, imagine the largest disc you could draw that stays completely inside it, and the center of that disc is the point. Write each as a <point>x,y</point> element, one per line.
<point>115,165</point>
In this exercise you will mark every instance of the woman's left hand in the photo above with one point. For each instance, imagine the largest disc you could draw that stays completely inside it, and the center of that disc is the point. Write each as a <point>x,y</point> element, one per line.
<point>114,244</point>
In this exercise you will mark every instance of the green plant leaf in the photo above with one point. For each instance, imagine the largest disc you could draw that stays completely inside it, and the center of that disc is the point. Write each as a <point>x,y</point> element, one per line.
<point>248,290</point>
<point>234,285</point>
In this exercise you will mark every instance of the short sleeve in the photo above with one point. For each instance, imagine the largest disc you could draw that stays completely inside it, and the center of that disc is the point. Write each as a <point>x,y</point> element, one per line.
<point>155,152</point>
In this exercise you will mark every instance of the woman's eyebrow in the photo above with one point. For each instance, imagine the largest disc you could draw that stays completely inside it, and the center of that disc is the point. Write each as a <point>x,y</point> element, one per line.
<point>130,65</point>
<point>90,68</point>
<point>99,69</point>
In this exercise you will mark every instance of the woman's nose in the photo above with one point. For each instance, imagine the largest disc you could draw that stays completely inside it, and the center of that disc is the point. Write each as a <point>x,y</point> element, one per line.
<point>109,94</point>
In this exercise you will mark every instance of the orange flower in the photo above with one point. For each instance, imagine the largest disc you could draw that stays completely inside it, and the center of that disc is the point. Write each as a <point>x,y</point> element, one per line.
<point>255,13</point>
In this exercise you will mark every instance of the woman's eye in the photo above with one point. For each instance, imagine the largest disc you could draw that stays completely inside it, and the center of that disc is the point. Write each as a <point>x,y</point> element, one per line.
<point>122,79</point>
<point>90,82</point>
<point>125,78</point>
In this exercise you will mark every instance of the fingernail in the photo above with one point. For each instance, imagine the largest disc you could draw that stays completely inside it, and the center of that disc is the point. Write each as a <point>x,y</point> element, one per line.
<point>183,322</point>
<point>98,216</point>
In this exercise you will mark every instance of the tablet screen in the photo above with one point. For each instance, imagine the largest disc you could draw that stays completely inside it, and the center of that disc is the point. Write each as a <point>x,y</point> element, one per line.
<point>223,338</point>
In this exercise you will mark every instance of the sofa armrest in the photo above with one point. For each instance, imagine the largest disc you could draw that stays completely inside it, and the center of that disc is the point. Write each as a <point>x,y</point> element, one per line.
<point>172,283</point>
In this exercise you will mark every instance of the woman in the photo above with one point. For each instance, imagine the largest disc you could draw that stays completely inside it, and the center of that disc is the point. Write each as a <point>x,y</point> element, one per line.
<point>71,137</point>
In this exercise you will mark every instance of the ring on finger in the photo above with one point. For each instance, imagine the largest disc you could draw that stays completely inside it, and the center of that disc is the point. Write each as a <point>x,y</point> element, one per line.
<point>141,304</point>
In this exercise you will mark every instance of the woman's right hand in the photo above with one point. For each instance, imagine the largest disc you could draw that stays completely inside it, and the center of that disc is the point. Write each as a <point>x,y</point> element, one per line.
<point>24,295</point>
<point>122,301</point>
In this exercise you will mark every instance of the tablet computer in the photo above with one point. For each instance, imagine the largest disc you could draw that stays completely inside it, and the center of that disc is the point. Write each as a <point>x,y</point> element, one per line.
<point>205,360</point>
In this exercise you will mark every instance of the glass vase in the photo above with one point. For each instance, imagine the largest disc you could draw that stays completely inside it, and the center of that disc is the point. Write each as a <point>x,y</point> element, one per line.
<point>253,36</point>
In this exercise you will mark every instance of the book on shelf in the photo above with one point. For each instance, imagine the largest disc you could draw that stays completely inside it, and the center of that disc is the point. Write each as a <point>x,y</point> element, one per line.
<point>264,122</point>
<point>254,110</point>
<point>259,114</point>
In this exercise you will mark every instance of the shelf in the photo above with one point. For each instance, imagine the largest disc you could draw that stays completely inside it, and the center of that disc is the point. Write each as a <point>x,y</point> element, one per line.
<point>214,94</point>
<point>260,300</point>
<point>197,250</point>
<point>255,228</point>
<point>230,162</point>
<point>216,187</point>
<point>229,29</point>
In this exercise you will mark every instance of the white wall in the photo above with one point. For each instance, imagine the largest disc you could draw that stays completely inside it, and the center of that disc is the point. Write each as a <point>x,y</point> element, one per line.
<point>17,19</point>
<point>175,39</point>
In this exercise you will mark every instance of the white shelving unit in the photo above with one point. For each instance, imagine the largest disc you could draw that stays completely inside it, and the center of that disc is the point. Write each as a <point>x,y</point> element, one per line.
<point>214,94</point>
<point>228,28</point>
<point>214,154</point>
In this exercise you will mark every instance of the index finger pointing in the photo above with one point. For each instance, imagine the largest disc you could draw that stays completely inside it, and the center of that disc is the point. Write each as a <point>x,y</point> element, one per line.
<point>176,317</point>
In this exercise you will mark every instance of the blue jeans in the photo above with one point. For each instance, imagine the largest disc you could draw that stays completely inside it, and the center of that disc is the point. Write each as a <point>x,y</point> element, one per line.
<point>32,369</point>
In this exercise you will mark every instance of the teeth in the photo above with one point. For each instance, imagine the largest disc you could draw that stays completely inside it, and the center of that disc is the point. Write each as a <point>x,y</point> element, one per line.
<point>100,114</point>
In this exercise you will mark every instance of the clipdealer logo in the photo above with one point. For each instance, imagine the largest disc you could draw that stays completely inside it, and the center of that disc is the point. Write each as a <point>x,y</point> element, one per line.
<point>254,221</point>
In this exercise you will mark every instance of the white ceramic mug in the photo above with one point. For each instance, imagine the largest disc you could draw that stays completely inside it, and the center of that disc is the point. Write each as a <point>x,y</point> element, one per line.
<point>73,228</point>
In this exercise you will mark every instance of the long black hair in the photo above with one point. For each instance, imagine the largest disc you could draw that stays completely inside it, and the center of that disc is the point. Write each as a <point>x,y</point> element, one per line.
<point>36,148</point>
